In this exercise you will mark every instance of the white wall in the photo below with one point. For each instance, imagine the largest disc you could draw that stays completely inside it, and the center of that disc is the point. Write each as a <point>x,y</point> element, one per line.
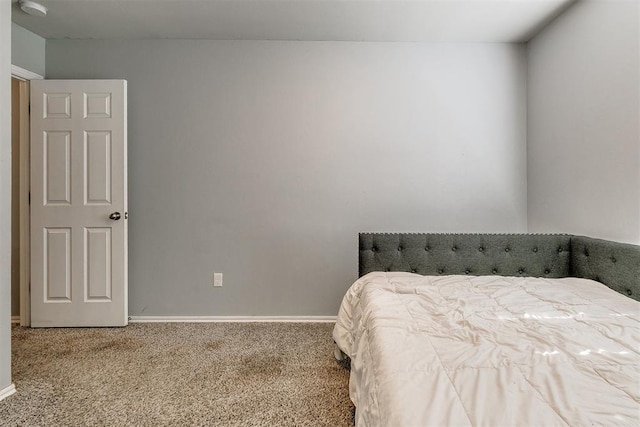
<point>584,122</point>
<point>27,50</point>
<point>263,160</point>
<point>5,194</point>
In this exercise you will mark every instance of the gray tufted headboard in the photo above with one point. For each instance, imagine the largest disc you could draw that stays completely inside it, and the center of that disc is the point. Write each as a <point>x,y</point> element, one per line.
<point>617,265</point>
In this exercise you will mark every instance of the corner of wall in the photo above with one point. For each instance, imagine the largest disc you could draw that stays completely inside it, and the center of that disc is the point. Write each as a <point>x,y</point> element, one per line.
<point>583,96</point>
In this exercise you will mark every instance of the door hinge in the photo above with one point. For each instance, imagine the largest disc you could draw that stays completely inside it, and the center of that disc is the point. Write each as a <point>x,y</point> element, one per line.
<point>29,197</point>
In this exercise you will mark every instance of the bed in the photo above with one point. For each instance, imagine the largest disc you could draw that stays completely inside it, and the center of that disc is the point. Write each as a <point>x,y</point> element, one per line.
<point>493,330</point>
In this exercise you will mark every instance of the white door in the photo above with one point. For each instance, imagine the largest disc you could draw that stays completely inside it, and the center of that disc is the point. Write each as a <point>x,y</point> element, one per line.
<point>78,203</point>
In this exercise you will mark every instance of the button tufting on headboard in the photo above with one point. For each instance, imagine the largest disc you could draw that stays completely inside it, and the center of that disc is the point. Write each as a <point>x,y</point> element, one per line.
<point>457,253</point>
<point>617,265</point>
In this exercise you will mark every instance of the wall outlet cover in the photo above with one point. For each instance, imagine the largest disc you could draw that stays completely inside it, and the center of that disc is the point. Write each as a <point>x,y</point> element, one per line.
<point>217,279</point>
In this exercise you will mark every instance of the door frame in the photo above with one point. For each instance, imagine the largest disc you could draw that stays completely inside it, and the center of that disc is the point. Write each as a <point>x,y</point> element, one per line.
<point>25,216</point>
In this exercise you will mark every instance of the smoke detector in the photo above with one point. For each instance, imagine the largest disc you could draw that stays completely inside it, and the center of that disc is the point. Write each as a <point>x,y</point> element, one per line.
<point>33,8</point>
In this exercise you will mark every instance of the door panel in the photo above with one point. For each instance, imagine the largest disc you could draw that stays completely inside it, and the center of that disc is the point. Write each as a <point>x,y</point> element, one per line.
<point>97,167</point>
<point>57,168</point>
<point>57,258</point>
<point>97,262</point>
<point>78,179</point>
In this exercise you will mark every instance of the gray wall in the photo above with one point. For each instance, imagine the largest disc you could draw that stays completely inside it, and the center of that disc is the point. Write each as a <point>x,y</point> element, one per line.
<point>584,122</point>
<point>5,194</point>
<point>263,160</point>
<point>27,50</point>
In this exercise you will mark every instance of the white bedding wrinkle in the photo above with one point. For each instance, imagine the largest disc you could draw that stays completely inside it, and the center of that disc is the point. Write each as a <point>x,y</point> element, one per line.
<point>490,351</point>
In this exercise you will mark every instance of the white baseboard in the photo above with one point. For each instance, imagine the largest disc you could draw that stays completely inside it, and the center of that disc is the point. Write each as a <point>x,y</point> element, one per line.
<point>7,391</point>
<point>15,320</point>
<point>238,319</point>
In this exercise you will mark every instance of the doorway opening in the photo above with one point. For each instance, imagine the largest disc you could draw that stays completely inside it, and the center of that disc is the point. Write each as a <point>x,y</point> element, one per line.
<point>97,176</point>
<point>20,211</point>
<point>19,200</point>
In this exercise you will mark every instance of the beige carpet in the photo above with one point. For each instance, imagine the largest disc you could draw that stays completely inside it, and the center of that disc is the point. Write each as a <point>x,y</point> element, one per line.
<point>209,374</point>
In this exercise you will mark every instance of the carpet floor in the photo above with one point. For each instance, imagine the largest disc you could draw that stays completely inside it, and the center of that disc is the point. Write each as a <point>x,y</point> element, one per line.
<point>207,374</point>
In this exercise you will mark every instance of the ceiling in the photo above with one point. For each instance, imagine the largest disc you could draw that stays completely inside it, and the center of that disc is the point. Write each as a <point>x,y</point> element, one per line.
<point>489,21</point>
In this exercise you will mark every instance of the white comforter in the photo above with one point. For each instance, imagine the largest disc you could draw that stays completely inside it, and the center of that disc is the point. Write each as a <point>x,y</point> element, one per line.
<point>490,351</point>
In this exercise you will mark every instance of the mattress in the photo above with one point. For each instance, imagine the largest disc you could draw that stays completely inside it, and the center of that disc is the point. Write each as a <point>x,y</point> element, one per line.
<point>490,351</point>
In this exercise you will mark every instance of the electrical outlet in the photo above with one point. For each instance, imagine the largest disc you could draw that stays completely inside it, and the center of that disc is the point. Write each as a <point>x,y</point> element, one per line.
<point>217,279</point>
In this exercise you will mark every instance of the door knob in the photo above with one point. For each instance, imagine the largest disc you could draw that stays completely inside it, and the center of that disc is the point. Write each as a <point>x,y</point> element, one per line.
<point>115,216</point>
